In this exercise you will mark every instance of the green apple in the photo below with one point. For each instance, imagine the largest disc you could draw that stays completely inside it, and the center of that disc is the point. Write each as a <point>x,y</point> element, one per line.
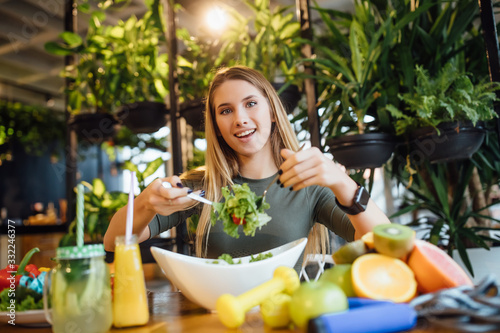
<point>275,310</point>
<point>313,299</point>
<point>341,276</point>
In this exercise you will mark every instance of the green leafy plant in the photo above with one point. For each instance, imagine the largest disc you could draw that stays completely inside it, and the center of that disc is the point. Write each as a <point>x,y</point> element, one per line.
<point>449,96</point>
<point>195,66</point>
<point>150,169</point>
<point>263,41</point>
<point>99,207</point>
<point>33,127</point>
<point>441,192</point>
<point>116,64</point>
<point>351,66</point>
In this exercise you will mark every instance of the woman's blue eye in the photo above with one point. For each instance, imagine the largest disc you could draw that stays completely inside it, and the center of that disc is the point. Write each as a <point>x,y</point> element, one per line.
<point>251,103</point>
<point>225,111</point>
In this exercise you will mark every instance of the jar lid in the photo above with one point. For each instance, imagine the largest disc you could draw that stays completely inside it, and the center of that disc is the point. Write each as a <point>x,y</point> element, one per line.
<point>75,252</point>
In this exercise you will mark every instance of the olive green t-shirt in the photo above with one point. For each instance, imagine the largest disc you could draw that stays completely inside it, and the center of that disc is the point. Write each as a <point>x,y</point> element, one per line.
<point>293,214</point>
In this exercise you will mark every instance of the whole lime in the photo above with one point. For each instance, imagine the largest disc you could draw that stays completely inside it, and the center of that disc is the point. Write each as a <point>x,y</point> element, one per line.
<point>341,276</point>
<point>312,299</point>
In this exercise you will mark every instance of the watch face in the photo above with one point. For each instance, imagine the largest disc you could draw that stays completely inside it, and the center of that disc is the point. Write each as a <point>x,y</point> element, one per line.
<point>361,199</point>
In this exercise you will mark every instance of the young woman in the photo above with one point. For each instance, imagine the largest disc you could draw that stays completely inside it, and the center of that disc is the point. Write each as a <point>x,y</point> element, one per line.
<point>250,140</point>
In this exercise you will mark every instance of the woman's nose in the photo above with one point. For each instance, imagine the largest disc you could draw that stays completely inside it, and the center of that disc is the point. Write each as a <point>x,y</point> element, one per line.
<point>241,118</point>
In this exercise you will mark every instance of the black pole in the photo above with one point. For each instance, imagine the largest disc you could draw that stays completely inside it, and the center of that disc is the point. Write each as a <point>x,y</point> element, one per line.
<point>71,141</point>
<point>492,50</point>
<point>309,84</point>
<point>174,107</point>
<point>173,87</point>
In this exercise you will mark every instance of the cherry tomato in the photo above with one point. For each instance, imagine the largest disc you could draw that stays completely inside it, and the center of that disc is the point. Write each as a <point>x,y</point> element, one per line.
<point>238,221</point>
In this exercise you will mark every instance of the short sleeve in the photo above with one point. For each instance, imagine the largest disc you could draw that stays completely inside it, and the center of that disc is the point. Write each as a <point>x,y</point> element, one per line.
<point>329,214</point>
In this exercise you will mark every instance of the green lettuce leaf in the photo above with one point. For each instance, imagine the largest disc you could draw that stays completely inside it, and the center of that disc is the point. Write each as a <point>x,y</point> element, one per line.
<point>243,204</point>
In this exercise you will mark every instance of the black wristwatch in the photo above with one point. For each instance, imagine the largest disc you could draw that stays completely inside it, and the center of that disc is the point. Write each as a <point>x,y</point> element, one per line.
<point>360,201</point>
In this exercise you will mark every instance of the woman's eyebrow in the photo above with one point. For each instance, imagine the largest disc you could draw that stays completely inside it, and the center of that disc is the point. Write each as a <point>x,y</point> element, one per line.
<point>243,99</point>
<point>222,105</point>
<point>249,97</point>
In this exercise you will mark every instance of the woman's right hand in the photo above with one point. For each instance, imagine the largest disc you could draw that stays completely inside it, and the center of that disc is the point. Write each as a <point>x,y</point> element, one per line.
<point>165,201</point>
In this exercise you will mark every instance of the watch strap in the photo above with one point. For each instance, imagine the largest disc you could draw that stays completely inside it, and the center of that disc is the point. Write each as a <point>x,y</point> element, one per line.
<point>361,198</point>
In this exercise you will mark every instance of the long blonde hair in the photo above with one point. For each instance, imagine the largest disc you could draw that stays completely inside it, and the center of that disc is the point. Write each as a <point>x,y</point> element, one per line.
<point>221,163</point>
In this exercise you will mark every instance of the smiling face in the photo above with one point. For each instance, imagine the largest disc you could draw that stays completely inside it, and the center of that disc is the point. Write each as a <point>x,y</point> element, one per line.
<point>243,117</point>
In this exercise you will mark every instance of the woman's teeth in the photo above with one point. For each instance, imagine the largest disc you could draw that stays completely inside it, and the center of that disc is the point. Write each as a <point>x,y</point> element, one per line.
<point>242,134</point>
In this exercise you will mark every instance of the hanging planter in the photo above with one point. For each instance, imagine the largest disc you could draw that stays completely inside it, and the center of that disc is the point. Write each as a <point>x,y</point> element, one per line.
<point>193,112</point>
<point>454,141</point>
<point>143,117</point>
<point>289,97</point>
<point>362,151</point>
<point>94,128</point>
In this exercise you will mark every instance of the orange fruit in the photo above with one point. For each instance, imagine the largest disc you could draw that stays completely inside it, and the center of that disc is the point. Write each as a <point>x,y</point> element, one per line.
<point>434,269</point>
<point>368,239</point>
<point>381,277</point>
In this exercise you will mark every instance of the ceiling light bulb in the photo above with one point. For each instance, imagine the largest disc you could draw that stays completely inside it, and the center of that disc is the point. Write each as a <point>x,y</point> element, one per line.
<point>216,19</point>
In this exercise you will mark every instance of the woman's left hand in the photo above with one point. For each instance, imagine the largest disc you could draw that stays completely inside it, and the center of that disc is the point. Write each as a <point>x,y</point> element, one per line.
<point>310,167</point>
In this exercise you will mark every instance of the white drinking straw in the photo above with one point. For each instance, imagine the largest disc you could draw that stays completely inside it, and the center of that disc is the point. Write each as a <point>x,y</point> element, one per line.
<point>79,215</point>
<point>130,209</point>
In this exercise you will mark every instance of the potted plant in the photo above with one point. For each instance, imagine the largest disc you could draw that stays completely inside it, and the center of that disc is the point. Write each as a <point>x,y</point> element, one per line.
<point>141,70</point>
<point>449,197</point>
<point>32,128</point>
<point>443,114</point>
<point>352,54</point>
<point>90,93</point>
<point>118,66</point>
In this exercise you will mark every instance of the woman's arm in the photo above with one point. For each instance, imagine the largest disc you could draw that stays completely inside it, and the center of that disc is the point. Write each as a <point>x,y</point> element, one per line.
<point>155,199</point>
<point>312,167</point>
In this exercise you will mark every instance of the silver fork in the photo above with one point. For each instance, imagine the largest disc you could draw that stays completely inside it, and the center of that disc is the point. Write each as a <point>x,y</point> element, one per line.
<point>190,195</point>
<point>276,178</point>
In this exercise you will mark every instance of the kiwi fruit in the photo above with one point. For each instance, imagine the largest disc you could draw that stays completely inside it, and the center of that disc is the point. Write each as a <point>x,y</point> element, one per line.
<point>347,253</point>
<point>394,240</point>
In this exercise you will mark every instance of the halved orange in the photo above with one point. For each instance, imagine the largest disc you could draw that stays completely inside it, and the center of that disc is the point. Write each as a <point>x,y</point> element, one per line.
<point>381,277</point>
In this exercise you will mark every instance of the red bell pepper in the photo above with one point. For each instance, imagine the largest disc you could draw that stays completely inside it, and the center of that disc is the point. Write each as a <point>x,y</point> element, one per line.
<point>23,268</point>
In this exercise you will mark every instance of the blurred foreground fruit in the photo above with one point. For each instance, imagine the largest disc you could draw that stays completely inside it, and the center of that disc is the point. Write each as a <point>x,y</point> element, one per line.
<point>394,240</point>
<point>313,299</point>
<point>368,239</point>
<point>434,269</point>
<point>232,309</point>
<point>275,310</point>
<point>349,252</point>
<point>340,275</point>
<point>381,277</point>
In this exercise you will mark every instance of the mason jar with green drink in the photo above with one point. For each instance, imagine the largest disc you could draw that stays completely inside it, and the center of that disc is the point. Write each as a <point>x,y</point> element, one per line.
<point>78,291</point>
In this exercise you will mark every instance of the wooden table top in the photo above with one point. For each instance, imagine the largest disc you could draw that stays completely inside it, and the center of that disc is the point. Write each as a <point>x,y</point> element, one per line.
<point>171,312</point>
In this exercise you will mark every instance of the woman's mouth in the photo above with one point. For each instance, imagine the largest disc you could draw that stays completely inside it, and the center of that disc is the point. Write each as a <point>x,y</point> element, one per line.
<point>245,134</point>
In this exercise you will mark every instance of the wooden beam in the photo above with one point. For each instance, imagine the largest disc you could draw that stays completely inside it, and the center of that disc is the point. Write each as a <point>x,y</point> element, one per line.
<point>309,84</point>
<point>71,140</point>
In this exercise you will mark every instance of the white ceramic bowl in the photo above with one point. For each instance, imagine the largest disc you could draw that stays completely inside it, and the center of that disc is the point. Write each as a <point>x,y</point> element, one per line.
<point>202,281</point>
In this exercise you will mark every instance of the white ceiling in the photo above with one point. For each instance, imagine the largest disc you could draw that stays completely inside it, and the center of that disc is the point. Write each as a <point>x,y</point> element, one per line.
<point>30,75</point>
